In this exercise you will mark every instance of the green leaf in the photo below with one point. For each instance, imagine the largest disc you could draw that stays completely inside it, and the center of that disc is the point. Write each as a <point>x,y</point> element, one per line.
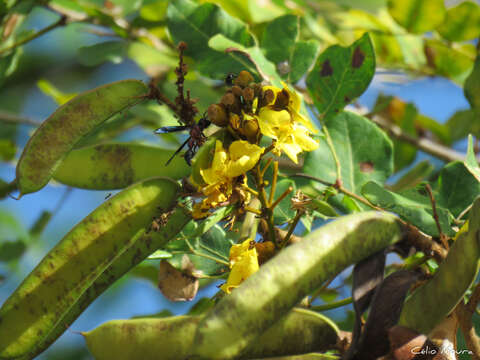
<point>462,22</point>
<point>457,188</point>
<point>471,160</point>
<point>452,62</point>
<point>205,256</point>
<point>304,53</point>
<point>471,87</point>
<point>11,250</point>
<point>415,208</point>
<point>94,55</point>
<point>59,134</point>
<point>414,176</point>
<point>196,24</point>
<point>417,16</point>
<point>160,254</point>
<point>462,123</point>
<point>8,64</point>
<point>223,44</point>
<point>279,38</point>
<point>341,74</point>
<point>283,212</point>
<point>423,311</point>
<point>116,165</point>
<point>364,151</point>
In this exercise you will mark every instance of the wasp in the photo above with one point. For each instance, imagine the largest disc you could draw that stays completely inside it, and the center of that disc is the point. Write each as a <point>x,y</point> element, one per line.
<point>194,141</point>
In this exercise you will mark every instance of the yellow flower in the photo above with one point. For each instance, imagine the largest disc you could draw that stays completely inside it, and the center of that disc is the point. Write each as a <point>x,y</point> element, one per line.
<point>241,157</point>
<point>243,263</point>
<point>292,138</point>
<point>290,101</point>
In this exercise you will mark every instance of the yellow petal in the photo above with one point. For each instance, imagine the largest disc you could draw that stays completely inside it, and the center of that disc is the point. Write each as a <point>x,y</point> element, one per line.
<point>303,139</point>
<point>243,262</point>
<point>274,124</point>
<point>243,157</point>
<point>216,173</point>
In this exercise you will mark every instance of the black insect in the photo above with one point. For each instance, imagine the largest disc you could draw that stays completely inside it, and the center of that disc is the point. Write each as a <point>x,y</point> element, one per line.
<point>194,141</point>
<point>229,79</point>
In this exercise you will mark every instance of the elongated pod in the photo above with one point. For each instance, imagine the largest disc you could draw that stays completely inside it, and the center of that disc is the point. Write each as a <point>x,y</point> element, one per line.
<point>270,293</point>
<point>299,332</point>
<point>77,261</point>
<point>115,166</point>
<point>57,135</point>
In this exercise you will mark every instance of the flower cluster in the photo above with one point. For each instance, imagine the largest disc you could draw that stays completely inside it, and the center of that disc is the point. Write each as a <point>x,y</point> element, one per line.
<point>246,112</point>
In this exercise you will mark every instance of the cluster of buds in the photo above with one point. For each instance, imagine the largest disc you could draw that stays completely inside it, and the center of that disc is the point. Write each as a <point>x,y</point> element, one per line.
<point>247,112</point>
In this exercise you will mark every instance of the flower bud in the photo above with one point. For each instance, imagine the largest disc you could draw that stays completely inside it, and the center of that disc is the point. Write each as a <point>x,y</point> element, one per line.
<point>243,79</point>
<point>250,129</point>
<point>237,90</point>
<point>248,94</point>
<point>218,115</point>
<point>234,121</point>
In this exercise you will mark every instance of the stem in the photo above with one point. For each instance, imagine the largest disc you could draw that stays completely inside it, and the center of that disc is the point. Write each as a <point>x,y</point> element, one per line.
<point>274,182</point>
<point>15,119</point>
<point>333,305</point>
<point>292,228</point>
<point>266,210</point>
<point>281,197</point>
<point>334,153</point>
<point>442,236</point>
<point>250,223</point>
<point>465,314</point>
<point>60,22</point>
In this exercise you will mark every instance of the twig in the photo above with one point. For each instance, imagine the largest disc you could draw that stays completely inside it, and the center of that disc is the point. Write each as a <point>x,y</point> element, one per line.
<point>281,197</point>
<point>442,236</point>
<point>462,214</point>
<point>60,22</point>
<point>414,236</point>
<point>333,305</point>
<point>430,147</point>
<point>465,314</point>
<point>268,213</point>
<point>292,227</point>
<point>15,119</point>
<point>274,182</point>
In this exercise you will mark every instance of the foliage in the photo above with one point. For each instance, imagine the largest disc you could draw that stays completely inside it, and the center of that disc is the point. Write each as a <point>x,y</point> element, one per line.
<point>273,189</point>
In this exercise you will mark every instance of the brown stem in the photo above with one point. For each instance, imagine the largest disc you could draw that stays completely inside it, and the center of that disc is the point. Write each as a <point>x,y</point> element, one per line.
<point>291,228</point>
<point>274,182</point>
<point>266,211</point>
<point>465,314</point>
<point>443,237</point>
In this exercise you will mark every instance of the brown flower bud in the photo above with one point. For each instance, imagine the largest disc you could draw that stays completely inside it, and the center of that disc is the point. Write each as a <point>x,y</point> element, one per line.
<point>228,99</point>
<point>248,94</point>
<point>218,115</point>
<point>268,97</point>
<point>250,129</point>
<point>243,79</point>
<point>281,102</point>
<point>237,90</point>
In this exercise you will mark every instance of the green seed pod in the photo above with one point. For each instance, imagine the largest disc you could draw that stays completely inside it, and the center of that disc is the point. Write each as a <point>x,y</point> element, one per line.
<point>147,339</point>
<point>57,135</point>
<point>243,79</point>
<point>283,281</point>
<point>116,166</point>
<point>423,311</point>
<point>299,332</point>
<point>218,115</point>
<point>132,256</point>
<point>65,274</point>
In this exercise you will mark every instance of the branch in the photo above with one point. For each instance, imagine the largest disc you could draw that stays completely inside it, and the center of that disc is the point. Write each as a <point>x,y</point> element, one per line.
<point>430,147</point>
<point>60,22</point>
<point>465,314</point>
<point>15,119</point>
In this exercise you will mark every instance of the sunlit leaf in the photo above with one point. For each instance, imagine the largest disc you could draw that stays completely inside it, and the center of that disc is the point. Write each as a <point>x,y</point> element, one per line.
<point>341,74</point>
<point>462,22</point>
<point>417,16</point>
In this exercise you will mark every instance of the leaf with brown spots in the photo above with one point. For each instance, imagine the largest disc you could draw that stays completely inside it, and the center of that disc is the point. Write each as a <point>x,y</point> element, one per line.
<point>341,74</point>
